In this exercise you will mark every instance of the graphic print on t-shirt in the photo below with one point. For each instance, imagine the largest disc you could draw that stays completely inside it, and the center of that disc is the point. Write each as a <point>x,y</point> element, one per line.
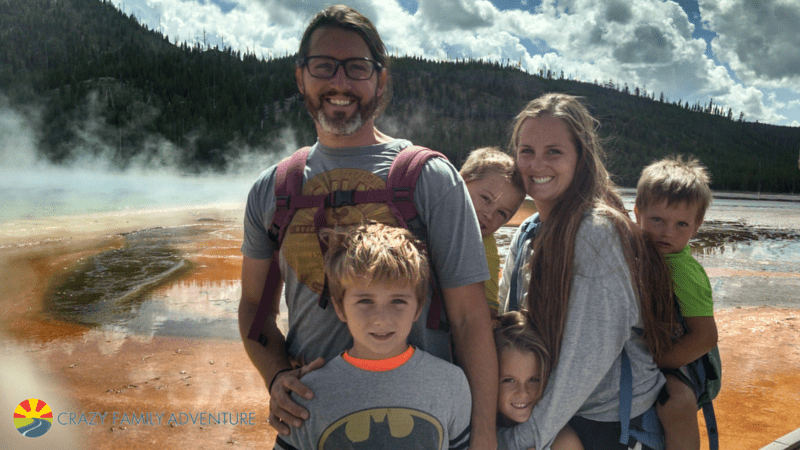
<point>385,428</point>
<point>300,247</point>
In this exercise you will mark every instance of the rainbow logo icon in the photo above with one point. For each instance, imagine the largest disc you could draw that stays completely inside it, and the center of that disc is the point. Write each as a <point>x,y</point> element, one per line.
<point>33,417</point>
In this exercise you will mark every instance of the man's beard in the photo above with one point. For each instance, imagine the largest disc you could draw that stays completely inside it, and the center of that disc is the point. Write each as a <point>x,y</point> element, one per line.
<point>339,123</point>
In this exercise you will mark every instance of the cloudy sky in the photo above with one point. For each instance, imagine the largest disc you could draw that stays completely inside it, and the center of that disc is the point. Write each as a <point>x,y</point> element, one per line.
<point>743,54</point>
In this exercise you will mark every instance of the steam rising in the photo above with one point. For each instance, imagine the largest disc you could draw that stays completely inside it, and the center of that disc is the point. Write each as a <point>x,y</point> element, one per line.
<point>32,187</point>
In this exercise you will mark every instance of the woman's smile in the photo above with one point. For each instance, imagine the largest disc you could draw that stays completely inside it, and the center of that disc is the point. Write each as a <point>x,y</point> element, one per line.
<point>547,158</point>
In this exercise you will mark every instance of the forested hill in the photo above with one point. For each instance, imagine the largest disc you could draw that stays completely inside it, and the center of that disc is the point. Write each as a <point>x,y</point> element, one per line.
<point>106,85</point>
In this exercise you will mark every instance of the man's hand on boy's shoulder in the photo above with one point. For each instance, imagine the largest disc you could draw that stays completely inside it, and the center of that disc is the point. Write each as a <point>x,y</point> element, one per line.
<point>283,411</point>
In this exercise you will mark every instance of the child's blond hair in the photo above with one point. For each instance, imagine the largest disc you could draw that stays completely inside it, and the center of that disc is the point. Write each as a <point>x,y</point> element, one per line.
<point>487,161</point>
<point>374,252</point>
<point>513,331</point>
<point>676,181</point>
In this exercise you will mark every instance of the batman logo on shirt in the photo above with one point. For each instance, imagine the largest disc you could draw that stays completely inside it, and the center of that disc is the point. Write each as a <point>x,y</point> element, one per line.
<point>384,428</point>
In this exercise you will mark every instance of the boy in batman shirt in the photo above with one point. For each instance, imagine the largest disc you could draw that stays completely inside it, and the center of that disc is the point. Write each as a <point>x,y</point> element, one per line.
<point>382,392</point>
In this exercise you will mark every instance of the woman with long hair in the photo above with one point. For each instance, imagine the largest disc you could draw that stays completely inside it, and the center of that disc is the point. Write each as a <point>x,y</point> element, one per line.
<point>594,287</point>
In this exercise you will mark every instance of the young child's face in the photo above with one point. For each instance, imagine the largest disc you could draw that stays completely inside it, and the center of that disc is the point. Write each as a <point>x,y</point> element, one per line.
<point>670,227</point>
<point>495,200</point>
<point>520,384</point>
<point>379,316</point>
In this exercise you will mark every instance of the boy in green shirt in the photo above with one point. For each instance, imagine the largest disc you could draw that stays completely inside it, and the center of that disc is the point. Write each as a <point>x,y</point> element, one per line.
<point>671,200</point>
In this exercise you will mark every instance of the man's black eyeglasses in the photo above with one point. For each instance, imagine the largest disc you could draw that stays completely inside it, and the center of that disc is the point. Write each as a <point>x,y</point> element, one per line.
<point>354,68</point>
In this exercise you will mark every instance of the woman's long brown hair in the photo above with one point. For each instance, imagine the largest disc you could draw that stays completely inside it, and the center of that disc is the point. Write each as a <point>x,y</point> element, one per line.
<point>554,246</point>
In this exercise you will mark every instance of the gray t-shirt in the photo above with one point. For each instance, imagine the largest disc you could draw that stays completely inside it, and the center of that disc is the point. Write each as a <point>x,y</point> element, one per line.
<point>423,404</point>
<point>441,198</point>
<point>602,311</point>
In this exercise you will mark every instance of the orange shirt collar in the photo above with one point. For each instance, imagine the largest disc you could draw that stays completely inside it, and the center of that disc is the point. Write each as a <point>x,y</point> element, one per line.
<point>380,365</point>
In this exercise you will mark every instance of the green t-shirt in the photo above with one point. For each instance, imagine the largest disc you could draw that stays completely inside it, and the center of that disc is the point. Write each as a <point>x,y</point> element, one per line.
<point>691,284</point>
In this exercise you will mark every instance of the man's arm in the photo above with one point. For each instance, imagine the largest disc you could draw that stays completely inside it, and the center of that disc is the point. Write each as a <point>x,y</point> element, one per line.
<point>272,359</point>
<point>469,318</point>
<point>700,338</point>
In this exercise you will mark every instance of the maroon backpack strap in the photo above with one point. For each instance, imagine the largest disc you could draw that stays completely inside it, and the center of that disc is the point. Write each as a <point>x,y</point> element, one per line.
<point>408,164</point>
<point>403,176</point>
<point>402,180</point>
<point>288,186</point>
<point>398,196</point>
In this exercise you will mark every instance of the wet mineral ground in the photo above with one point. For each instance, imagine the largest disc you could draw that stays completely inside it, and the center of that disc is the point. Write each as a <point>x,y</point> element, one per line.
<point>135,312</point>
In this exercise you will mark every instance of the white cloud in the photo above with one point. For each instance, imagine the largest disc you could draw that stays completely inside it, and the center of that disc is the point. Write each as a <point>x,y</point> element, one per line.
<point>464,15</point>
<point>648,43</point>
<point>399,30</point>
<point>268,28</point>
<point>759,39</point>
<point>751,101</point>
<point>304,10</point>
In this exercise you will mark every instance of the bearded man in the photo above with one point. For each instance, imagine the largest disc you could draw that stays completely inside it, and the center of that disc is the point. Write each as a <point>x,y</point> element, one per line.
<point>343,73</point>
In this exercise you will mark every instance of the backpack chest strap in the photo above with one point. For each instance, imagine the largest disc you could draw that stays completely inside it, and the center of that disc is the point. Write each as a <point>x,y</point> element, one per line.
<point>338,199</point>
<point>286,205</point>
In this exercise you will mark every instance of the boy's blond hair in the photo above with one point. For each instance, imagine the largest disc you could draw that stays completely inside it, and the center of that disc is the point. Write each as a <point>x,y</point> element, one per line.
<point>487,161</point>
<point>376,253</point>
<point>676,181</point>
